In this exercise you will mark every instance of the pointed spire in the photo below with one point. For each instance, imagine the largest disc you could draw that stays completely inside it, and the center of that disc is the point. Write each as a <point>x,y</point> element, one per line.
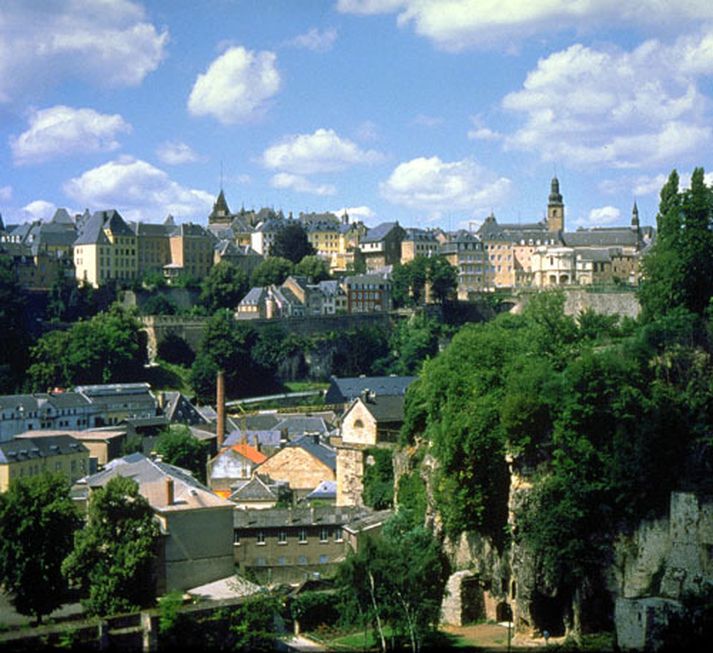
<point>555,195</point>
<point>220,212</point>
<point>169,221</point>
<point>635,224</point>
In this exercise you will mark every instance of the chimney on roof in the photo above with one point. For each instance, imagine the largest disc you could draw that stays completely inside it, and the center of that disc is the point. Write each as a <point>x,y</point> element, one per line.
<point>170,492</point>
<point>220,408</point>
<point>161,399</point>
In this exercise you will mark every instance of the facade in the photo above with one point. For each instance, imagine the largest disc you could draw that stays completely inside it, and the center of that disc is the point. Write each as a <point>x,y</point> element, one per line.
<point>368,293</point>
<point>419,242</point>
<point>153,245</point>
<point>466,252</point>
<point>303,464</point>
<point>381,246</point>
<point>233,464</point>
<point>103,446</point>
<point>118,402</point>
<point>106,249</point>
<point>191,251</point>
<point>27,457</point>
<point>292,545</point>
<point>58,411</point>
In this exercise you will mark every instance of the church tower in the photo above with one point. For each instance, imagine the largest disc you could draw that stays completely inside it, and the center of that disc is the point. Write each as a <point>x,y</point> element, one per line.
<point>555,208</point>
<point>220,213</point>
<point>635,225</point>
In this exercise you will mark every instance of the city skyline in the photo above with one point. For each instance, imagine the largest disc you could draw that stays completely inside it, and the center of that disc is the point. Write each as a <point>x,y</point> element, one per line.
<point>433,113</point>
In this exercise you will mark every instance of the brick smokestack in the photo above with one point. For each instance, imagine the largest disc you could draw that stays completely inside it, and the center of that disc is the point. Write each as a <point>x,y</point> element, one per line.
<point>220,408</point>
<point>170,496</point>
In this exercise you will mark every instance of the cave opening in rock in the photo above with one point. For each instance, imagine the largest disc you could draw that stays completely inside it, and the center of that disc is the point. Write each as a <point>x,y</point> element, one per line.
<point>548,614</point>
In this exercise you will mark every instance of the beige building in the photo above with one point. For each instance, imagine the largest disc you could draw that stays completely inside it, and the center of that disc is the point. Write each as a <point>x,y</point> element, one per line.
<point>419,242</point>
<point>24,458</point>
<point>466,252</point>
<point>191,251</point>
<point>153,245</point>
<point>196,525</point>
<point>106,249</point>
<point>103,446</point>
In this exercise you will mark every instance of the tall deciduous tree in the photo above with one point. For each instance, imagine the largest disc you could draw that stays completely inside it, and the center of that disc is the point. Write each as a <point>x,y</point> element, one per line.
<point>177,446</point>
<point>316,269</point>
<point>272,271</point>
<point>38,520</point>
<point>291,242</point>
<point>224,287</point>
<point>13,359</point>
<point>114,554</point>
<point>443,278</point>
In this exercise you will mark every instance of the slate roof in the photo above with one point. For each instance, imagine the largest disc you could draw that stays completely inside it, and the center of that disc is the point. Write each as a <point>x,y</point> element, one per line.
<point>253,490</point>
<point>92,231</point>
<point>33,402</point>
<point>61,216</point>
<point>151,476</point>
<point>420,235</point>
<point>276,517</point>
<point>246,451</point>
<point>36,448</point>
<point>326,490</point>
<point>612,237</point>
<point>270,438</point>
<point>386,408</point>
<point>178,408</point>
<point>379,232</point>
<point>152,230</point>
<point>342,390</point>
<point>368,521</point>
<point>326,455</point>
<point>254,296</point>
<point>299,425</point>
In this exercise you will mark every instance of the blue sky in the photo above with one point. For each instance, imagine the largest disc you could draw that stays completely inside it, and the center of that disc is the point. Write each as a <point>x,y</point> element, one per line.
<point>430,112</point>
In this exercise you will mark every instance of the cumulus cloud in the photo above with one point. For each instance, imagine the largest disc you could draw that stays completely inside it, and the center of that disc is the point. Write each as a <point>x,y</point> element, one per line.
<point>458,24</point>
<point>109,43</point>
<point>39,210</point>
<point>322,151</point>
<point>604,215</point>
<point>430,184</point>
<point>316,40</point>
<point>286,180</point>
<point>355,212</point>
<point>174,153</point>
<point>590,106</point>
<point>236,87</point>
<point>139,191</point>
<point>64,131</point>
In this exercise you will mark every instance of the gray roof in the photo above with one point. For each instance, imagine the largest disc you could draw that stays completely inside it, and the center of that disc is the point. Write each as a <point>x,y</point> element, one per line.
<point>386,408</point>
<point>114,390</point>
<point>300,425</point>
<point>347,388</point>
<point>253,490</point>
<point>326,455</point>
<point>379,232</point>
<point>35,448</point>
<point>254,296</point>
<point>325,490</point>
<point>33,402</point>
<point>421,235</point>
<point>270,438</point>
<point>152,230</point>
<point>368,521</point>
<point>611,237</point>
<point>92,231</point>
<point>178,408</point>
<point>318,515</point>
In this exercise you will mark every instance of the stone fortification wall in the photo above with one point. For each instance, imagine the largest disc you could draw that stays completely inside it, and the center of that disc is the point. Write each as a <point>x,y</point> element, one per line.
<point>607,302</point>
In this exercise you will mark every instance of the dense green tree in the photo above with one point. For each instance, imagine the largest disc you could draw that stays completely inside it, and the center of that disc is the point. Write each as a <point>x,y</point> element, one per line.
<point>174,349</point>
<point>358,350</point>
<point>108,348</point>
<point>272,271</point>
<point>159,304</point>
<point>177,446</point>
<point>678,271</point>
<point>113,559</point>
<point>442,277</point>
<point>38,520</point>
<point>224,287</point>
<point>313,267</point>
<point>396,580</point>
<point>13,359</point>
<point>379,479</point>
<point>227,344</point>
<point>68,302</point>
<point>408,282</point>
<point>291,242</point>
<point>413,341</point>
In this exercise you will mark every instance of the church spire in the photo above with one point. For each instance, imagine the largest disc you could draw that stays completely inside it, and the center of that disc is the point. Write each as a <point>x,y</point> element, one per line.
<point>555,207</point>
<point>220,213</point>
<point>635,224</point>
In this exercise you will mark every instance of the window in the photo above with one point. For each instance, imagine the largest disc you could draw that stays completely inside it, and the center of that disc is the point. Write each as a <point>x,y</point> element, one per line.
<point>302,536</point>
<point>302,560</point>
<point>323,534</point>
<point>338,534</point>
<point>236,538</point>
<point>260,537</point>
<point>282,536</point>
<point>323,559</point>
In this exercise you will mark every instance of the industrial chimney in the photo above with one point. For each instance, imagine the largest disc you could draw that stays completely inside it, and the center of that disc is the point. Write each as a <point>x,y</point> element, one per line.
<point>170,496</point>
<point>220,409</point>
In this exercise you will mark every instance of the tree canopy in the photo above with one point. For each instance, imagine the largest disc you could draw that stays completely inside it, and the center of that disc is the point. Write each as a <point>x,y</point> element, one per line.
<point>38,520</point>
<point>224,287</point>
<point>272,271</point>
<point>177,446</point>
<point>112,562</point>
<point>315,268</point>
<point>291,242</point>
<point>107,348</point>
<point>13,360</point>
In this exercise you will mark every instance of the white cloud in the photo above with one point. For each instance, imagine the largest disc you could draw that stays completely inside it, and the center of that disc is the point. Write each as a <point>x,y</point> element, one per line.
<point>587,106</point>
<point>315,40</point>
<point>39,209</point>
<point>174,153</point>
<point>300,184</point>
<point>458,24</point>
<point>236,87</point>
<point>5,193</point>
<point>109,43</point>
<point>430,184</point>
<point>604,215</point>
<point>484,134</point>
<point>139,191</point>
<point>64,131</point>
<point>322,151</point>
<point>355,212</point>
